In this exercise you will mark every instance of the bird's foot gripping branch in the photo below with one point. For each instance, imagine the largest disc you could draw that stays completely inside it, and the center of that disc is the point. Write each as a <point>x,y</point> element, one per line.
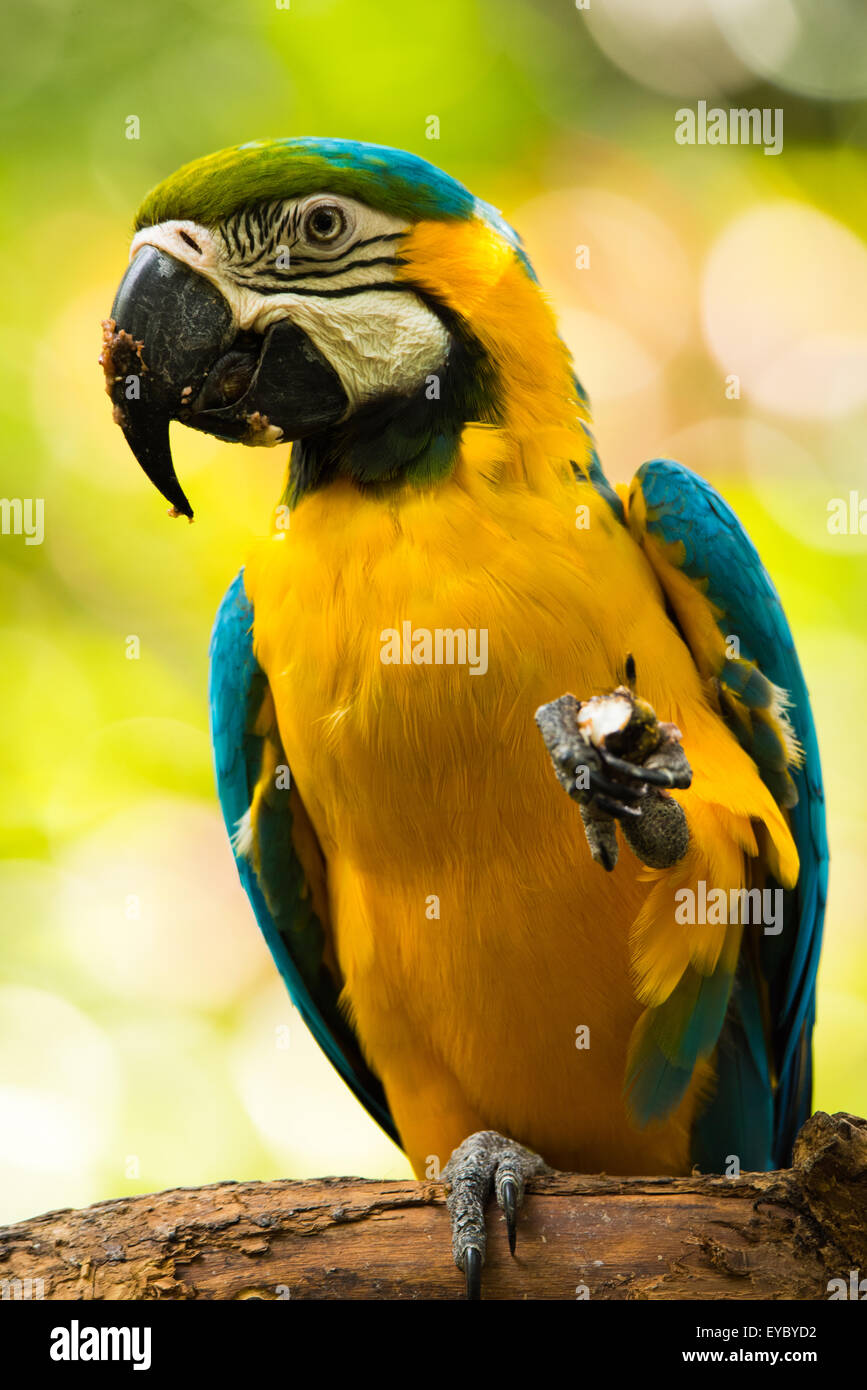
<point>483,1164</point>
<point>614,757</point>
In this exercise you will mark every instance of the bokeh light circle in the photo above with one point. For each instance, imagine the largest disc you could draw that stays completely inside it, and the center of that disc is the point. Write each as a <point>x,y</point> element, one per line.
<point>671,46</point>
<point>784,305</point>
<point>814,49</point>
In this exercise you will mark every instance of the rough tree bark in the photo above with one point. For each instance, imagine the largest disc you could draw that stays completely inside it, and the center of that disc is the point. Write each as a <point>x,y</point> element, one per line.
<point>780,1235</point>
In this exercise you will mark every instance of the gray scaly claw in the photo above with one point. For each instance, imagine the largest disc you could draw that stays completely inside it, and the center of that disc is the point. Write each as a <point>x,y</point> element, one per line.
<point>483,1164</point>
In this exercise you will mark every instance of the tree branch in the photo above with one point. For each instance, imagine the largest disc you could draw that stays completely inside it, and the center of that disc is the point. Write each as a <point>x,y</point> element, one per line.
<point>780,1235</point>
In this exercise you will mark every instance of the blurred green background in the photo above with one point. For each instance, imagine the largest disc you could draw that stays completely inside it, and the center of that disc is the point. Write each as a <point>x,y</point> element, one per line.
<point>145,1040</point>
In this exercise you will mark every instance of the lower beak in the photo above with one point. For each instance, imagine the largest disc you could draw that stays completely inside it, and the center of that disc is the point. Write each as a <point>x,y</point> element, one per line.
<point>172,351</point>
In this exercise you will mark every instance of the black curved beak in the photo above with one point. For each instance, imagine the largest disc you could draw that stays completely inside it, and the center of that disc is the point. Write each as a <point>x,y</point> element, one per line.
<point>172,351</point>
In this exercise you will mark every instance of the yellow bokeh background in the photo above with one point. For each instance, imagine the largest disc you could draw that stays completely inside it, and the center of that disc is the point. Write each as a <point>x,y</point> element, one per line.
<point>718,315</point>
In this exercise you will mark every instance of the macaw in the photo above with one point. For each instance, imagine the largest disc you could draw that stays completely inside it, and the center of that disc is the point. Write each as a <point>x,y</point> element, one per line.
<point>504,981</point>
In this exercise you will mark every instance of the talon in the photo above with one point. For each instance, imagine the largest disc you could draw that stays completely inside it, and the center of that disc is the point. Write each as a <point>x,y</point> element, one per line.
<point>509,1203</point>
<point>679,775</point>
<point>612,789</point>
<point>473,1272</point>
<point>617,808</point>
<point>485,1163</point>
<point>656,776</point>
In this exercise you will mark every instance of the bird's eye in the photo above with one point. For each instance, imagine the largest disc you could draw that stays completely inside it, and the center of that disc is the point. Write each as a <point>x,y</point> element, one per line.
<point>325,223</point>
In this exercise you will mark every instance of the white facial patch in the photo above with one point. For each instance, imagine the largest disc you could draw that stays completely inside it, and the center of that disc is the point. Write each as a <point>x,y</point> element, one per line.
<point>379,341</point>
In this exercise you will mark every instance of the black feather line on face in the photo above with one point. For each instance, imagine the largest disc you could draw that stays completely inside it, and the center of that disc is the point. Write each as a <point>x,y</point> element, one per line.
<point>280,280</point>
<point>254,235</point>
<point>347,250</point>
<point>396,287</point>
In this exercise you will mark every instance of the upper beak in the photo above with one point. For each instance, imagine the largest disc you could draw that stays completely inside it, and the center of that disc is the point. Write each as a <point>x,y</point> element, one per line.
<point>172,351</point>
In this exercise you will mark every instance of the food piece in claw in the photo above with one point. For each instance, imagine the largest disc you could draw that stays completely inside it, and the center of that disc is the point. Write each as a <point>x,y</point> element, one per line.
<point>623,725</point>
<point>626,733</point>
<point>616,759</point>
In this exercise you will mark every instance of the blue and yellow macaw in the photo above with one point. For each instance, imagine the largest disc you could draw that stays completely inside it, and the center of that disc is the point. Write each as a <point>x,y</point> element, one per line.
<point>454,943</point>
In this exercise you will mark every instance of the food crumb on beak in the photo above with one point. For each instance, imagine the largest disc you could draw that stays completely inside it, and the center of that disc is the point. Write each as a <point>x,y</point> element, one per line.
<point>261,431</point>
<point>173,512</point>
<point>121,357</point>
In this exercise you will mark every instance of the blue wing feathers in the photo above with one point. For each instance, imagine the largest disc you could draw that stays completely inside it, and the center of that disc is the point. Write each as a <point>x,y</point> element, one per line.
<point>681,507</point>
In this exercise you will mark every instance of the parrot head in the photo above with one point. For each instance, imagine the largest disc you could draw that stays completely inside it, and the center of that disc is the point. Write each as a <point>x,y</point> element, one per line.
<point>351,298</point>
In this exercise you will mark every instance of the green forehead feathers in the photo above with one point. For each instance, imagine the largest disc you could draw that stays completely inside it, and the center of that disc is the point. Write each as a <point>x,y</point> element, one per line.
<point>212,189</point>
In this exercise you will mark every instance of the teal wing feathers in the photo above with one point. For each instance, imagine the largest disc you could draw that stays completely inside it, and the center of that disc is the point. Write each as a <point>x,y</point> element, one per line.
<point>763,1057</point>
